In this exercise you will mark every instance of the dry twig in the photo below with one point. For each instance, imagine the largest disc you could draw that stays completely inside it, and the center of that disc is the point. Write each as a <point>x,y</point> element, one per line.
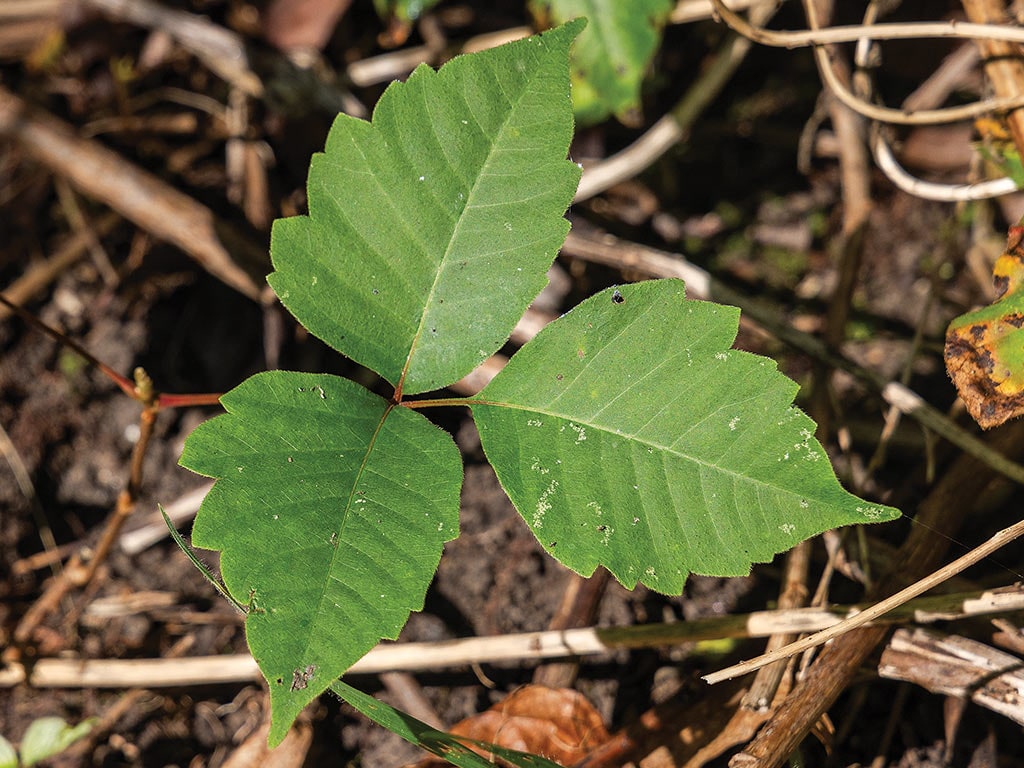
<point>525,647</point>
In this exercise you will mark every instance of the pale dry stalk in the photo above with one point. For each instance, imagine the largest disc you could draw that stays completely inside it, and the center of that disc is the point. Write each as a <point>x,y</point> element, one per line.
<point>1003,64</point>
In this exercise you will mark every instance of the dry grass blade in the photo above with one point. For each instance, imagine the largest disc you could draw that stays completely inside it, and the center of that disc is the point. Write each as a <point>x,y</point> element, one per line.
<point>999,540</point>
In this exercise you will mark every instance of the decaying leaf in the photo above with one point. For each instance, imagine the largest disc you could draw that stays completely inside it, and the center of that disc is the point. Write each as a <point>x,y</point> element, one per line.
<point>985,348</point>
<point>556,723</point>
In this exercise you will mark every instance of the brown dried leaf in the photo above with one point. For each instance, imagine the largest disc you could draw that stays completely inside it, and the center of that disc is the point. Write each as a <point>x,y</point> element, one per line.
<point>558,724</point>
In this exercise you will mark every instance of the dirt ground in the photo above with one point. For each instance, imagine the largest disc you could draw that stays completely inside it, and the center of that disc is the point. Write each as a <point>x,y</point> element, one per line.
<point>730,197</point>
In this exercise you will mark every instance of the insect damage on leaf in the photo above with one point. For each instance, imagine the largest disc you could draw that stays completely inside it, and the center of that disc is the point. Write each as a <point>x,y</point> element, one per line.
<point>985,348</point>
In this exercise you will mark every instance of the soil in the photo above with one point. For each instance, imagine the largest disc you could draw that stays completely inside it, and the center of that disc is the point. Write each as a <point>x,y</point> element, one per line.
<point>71,432</point>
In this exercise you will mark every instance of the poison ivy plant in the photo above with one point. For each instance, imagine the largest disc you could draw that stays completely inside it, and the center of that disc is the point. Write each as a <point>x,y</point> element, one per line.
<point>627,433</point>
<point>612,55</point>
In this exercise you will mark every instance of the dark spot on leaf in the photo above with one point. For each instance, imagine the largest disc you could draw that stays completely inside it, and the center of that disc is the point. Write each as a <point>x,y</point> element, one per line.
<point>559,377</point>
<point>602,528</point>
<point>985,361</point>
<point>617,298</point>
<point>978,332</point>
<point>301,677</point>
<point>375,292</point>
<point>279,681</point>
<point>1016,319</point>
<point>553,544</point>
<point>1002,282</point>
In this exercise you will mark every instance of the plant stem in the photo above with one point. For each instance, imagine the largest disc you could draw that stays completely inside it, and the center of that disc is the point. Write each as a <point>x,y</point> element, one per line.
<point>440,402</point>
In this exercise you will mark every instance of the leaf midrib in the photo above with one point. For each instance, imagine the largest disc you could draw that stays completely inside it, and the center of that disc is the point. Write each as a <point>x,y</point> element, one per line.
<point>466,206</point>
<point>646,443</point>
<point>344,522</point>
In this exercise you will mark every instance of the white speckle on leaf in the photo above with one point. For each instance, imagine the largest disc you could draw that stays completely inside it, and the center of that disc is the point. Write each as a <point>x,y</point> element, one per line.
<point>636,520</point>
<point>733,422</point>
<point>581,432</point>
<point>871,513</point>
<point>239,468</point>
<point>508,226</point>
<point>440,526</point>
<point>721,356</point>
<point>315,280</point>
<point>544,504</point>
<point>785,456</point>
<point>650,573</point>
<point>423,178</point>
<point>534,423</point>
<point>289,459</point>
<point>606,532</point>
<point>594,506</point>
<point>275,517</point>
<point>465,122</point>
<point>804,504</point>
<point>787,528</point>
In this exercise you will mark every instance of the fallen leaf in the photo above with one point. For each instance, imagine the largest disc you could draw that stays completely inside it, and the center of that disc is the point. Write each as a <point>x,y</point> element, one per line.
<point>556,723</point>
<point>985,348</point>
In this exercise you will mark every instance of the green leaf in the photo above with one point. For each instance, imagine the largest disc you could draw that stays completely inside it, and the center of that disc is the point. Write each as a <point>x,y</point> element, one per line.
<point>436,742</point>
<point>453,196</point>
<point>8,757</point>
<point>404,10</point>
<point>611,56</point>
<point>331,508</point>
<point>628,435</point>
<point>49,736</point>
